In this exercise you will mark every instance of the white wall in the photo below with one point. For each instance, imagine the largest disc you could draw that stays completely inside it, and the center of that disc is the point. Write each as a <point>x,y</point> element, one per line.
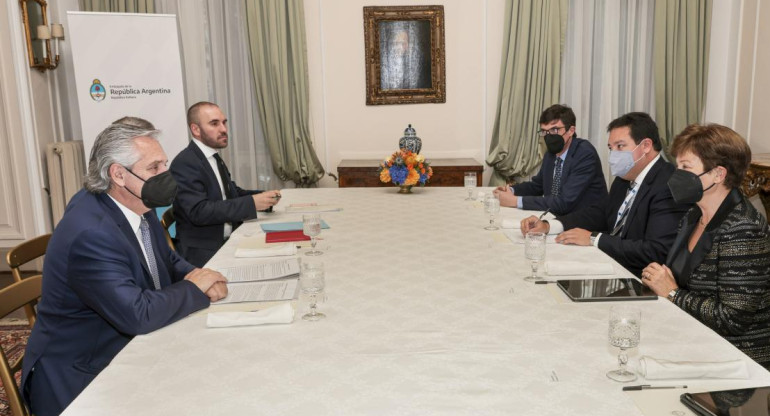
<point>344,127</point>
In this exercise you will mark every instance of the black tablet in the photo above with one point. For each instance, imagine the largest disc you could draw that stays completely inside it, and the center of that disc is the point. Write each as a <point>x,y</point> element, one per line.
<point>729,402</point>
<point>598,290</point>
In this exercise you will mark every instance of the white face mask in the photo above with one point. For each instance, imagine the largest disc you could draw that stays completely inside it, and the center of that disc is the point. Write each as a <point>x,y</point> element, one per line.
<point>621,161</point>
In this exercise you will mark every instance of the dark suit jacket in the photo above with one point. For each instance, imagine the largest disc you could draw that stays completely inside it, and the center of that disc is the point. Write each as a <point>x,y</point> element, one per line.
<point>651,224</point>
<point>582,181</point>
<point>199,209</point>
<point>97,295</point>
<point>725,282</point>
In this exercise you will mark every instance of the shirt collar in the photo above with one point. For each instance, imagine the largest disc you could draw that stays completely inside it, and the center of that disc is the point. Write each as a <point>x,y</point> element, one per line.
<point>134,220</point>
<point>207,150</point>
<point>639,179</point>
<point>563,156</point>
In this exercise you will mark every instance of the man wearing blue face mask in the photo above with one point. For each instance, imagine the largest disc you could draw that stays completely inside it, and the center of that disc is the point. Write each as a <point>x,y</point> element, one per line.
<point>636,224</point>
<point>570,176</point>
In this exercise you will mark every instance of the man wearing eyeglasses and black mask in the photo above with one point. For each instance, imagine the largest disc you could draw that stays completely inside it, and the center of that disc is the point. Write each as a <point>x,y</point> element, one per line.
<point>571,173</point>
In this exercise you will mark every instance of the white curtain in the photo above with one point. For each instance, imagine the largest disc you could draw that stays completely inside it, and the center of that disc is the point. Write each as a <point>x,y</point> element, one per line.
<point>607,65</point>
<point>215,55</point>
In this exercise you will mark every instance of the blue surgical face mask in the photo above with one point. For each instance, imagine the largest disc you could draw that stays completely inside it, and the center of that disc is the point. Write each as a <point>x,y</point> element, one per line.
<point>621,161</point>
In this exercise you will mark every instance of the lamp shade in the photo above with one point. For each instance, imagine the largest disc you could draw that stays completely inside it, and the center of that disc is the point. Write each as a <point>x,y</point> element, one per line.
<point>57,31</point>
<point>43,32</point>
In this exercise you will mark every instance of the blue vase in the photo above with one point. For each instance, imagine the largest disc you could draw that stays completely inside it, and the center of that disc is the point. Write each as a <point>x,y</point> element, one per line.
<point>410,141</point>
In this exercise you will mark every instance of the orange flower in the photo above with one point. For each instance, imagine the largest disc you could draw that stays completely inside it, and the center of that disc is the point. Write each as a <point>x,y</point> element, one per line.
<point>412,178</point>
<point>385,175</point>
<point>409,159</point>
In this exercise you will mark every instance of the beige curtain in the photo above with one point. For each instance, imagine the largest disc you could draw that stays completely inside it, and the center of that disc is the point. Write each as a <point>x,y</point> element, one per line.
<point>529,82</point>
<point>680,54</point>
<point>118,6</point>
<point>276,33</point>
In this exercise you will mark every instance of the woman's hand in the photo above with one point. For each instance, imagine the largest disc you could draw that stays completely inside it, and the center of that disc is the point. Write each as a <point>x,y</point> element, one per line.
<point>659,278</point>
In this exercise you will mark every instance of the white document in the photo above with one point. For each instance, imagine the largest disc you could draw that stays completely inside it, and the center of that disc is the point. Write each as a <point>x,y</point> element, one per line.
<point>261,271</point>
<point>260,291</point>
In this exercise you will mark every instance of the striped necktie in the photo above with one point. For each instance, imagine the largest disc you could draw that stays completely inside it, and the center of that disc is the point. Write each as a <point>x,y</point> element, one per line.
<point>151,263</point>
<point>556,185</point>
<point>625,207</point>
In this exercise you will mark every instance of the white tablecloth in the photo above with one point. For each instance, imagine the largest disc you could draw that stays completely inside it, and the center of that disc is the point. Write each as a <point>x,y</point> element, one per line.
<point>420,322</point>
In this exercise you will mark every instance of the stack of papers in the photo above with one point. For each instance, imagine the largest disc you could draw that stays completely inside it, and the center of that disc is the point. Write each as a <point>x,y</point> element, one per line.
<point>287,226</point>
<point>274,280</point>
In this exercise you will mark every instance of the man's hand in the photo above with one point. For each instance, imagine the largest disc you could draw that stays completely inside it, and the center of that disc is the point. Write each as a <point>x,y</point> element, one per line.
<point>506,196</point>
<point>217,291</point>
<point>210,282</point>
<point>265,200</point>
<point>533,224</point>
<point>575,237</point>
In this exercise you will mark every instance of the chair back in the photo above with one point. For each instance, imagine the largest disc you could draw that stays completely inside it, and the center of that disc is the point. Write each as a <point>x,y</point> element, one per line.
<point>166,221</point>
<point>23,254</point>
<point>13,297</point>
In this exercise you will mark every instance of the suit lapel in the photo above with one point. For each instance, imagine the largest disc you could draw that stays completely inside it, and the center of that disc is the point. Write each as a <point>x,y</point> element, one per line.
<point>641,194</point>
<point>129,234</point>
<point>212,188</point>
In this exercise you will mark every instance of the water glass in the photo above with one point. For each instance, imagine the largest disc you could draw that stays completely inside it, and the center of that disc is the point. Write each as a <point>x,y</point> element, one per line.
<point>624,333</point>
<point>312,283</point>
<point>492,207</point>
<point>534,251</point>
<point>470,183</point>
<point>311,227</point>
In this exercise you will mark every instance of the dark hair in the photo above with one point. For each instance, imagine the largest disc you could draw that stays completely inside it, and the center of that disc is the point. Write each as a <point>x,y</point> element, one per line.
<point>558,112</point>
<point>642,127</point>
<point>716,145</point>
<point>192,112</point>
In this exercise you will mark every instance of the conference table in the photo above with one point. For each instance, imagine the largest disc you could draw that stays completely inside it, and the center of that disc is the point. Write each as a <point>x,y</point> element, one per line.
<point>427,314</point>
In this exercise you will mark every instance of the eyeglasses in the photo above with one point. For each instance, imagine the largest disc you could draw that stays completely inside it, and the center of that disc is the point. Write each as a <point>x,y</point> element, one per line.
<point>552,130</point>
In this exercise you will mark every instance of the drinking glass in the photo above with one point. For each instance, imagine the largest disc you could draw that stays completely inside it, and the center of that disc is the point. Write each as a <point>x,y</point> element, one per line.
<point>625,323</point>
<point>534,251</point>
<point>470,183</point>
<point>311,282</point>
<point>492,207</point>
<point>311,227</point>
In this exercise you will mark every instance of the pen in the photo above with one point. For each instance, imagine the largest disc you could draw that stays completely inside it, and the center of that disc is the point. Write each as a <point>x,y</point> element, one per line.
<point>543,282</point>
<point>649,387</point>
<point>543,214</point>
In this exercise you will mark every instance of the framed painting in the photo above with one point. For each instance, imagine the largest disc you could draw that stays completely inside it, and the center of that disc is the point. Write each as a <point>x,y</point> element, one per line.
<point>404,54</point>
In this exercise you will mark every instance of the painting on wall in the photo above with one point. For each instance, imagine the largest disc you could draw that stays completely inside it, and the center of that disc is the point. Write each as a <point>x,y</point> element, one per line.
<point>404,54</point>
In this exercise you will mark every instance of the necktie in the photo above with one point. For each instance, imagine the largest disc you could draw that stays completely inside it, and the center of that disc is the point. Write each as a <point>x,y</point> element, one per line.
<point>151,263</point>
<point>556,185</point>
<point>224,175</point>
<point>624,208</point>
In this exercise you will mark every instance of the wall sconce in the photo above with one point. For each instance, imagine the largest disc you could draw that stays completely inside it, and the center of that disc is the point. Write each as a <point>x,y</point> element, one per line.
<point>35,22</point>
<point>45,34</point>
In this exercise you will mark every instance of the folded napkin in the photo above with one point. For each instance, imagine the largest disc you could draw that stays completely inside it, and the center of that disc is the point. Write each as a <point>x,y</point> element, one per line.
<point>270,251</point>
<point>510,223</point>
<point>657,369</point>
<point>577,268</point>
<point>281,314</point>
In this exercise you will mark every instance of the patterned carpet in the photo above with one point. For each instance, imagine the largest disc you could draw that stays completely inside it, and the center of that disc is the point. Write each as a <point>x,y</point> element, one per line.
<point>13,339</point>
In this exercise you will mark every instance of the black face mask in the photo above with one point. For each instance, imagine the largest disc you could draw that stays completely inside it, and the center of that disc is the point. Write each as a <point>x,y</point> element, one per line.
<point>554,143</point>
<point>158,191</point>
<point>686,187</point>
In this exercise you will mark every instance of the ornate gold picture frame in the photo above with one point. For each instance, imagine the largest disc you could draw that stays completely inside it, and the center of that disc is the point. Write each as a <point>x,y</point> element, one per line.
<point>405,61</point>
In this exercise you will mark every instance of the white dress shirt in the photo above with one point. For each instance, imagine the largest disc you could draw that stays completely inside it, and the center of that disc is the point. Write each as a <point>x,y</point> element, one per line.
<point>209,152</point>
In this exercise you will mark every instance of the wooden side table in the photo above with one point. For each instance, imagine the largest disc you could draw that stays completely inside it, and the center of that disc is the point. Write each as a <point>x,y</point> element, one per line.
<point>446,172</point>
<point>757,179</point>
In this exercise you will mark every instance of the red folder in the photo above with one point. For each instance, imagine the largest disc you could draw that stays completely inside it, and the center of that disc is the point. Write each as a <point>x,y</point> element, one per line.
<point>285,236</point>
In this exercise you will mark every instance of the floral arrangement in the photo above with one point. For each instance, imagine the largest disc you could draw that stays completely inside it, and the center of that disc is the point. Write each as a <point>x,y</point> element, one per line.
<point>405,168</point>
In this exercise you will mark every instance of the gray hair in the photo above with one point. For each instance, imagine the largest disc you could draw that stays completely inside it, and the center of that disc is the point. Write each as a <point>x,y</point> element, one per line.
<point>114,145</point>
<point>136,122</point>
